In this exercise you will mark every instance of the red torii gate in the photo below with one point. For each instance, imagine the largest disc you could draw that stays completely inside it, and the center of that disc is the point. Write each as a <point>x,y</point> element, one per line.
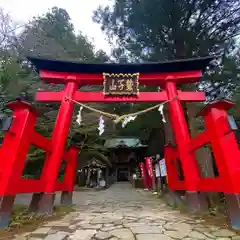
<point>167,75</point>
<point>73,75</point>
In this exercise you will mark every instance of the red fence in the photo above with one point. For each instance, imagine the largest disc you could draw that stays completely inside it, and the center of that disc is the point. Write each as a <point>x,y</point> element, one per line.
<point>14,153</point>
<point>221,137</point>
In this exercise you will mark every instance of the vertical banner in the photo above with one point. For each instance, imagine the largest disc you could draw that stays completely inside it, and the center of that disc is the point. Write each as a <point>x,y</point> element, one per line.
<point>144,177</point>
<point>148,164</point>
<point>163,170</point>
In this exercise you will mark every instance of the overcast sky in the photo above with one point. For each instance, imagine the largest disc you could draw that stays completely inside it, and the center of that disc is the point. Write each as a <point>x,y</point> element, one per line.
<point>80,12</point>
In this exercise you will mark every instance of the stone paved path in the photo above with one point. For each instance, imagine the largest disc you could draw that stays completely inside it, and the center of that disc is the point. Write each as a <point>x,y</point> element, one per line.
<point>121,212</point>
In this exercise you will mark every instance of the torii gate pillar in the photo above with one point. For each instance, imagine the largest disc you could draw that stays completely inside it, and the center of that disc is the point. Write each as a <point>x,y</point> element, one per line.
<point>182,137</point>
<point>58,140</point>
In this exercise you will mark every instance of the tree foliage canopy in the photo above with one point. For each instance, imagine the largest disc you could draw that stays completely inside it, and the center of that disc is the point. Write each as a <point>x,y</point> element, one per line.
<point>170,29</point>
<point>51,35</point>
<point>158,30</point>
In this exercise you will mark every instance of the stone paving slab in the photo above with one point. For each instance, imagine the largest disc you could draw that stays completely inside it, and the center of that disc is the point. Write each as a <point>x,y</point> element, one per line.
<point>121,213</point>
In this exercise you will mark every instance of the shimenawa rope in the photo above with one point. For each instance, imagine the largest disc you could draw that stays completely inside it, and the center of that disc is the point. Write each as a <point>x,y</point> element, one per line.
<point>116,118</point>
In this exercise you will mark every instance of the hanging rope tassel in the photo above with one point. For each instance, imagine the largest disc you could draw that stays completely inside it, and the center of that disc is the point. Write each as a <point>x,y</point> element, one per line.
<point>79,116</point>
<point>127,120</point>
<point>160,109</point>
<point>101,125</point>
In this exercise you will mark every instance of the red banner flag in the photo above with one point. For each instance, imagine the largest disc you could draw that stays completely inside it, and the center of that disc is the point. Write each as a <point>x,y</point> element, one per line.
<point>144,177</point>
<point>148,164</point>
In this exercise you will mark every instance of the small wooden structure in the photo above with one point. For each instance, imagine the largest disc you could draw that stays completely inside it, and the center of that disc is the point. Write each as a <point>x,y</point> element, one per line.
<point>94,172</point>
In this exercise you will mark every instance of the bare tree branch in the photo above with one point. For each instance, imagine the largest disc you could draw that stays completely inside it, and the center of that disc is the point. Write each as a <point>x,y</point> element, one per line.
<point>8,29</point>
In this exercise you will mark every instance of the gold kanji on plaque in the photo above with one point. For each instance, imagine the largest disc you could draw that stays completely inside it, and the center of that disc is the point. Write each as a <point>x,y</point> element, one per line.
<point>122,84</point>
<point>113,86</point>
<point>129,85</point>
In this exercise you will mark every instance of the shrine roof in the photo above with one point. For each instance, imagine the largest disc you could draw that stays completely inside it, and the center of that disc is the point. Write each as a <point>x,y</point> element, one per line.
<point>181,65</point>
<point>95,163</point>
<point>124,142</point>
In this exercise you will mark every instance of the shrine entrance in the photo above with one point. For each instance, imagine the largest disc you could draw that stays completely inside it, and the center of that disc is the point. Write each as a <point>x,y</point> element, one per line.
<point>124,155</point>
<point>121,84</point>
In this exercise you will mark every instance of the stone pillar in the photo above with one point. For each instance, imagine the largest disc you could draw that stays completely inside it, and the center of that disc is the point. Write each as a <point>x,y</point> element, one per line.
<point>233,206</point>
<point>6,205</point>
<point>34,204</point>
<point>197,201</point>
<point>66,198</point>
<point>46,202</point>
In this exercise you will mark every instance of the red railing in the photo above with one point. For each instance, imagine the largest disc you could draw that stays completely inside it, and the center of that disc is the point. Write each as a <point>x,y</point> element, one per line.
<point>14,152</point>
<point>225,150</point>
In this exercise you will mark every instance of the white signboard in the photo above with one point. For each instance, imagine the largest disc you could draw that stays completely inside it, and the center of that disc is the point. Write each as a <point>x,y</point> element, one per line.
<point>157,170</point>
<point>163,169</point>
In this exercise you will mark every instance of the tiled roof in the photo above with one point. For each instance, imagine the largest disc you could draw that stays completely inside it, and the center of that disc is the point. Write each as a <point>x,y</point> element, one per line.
<point>123,142</point>
<point>179,65</point>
